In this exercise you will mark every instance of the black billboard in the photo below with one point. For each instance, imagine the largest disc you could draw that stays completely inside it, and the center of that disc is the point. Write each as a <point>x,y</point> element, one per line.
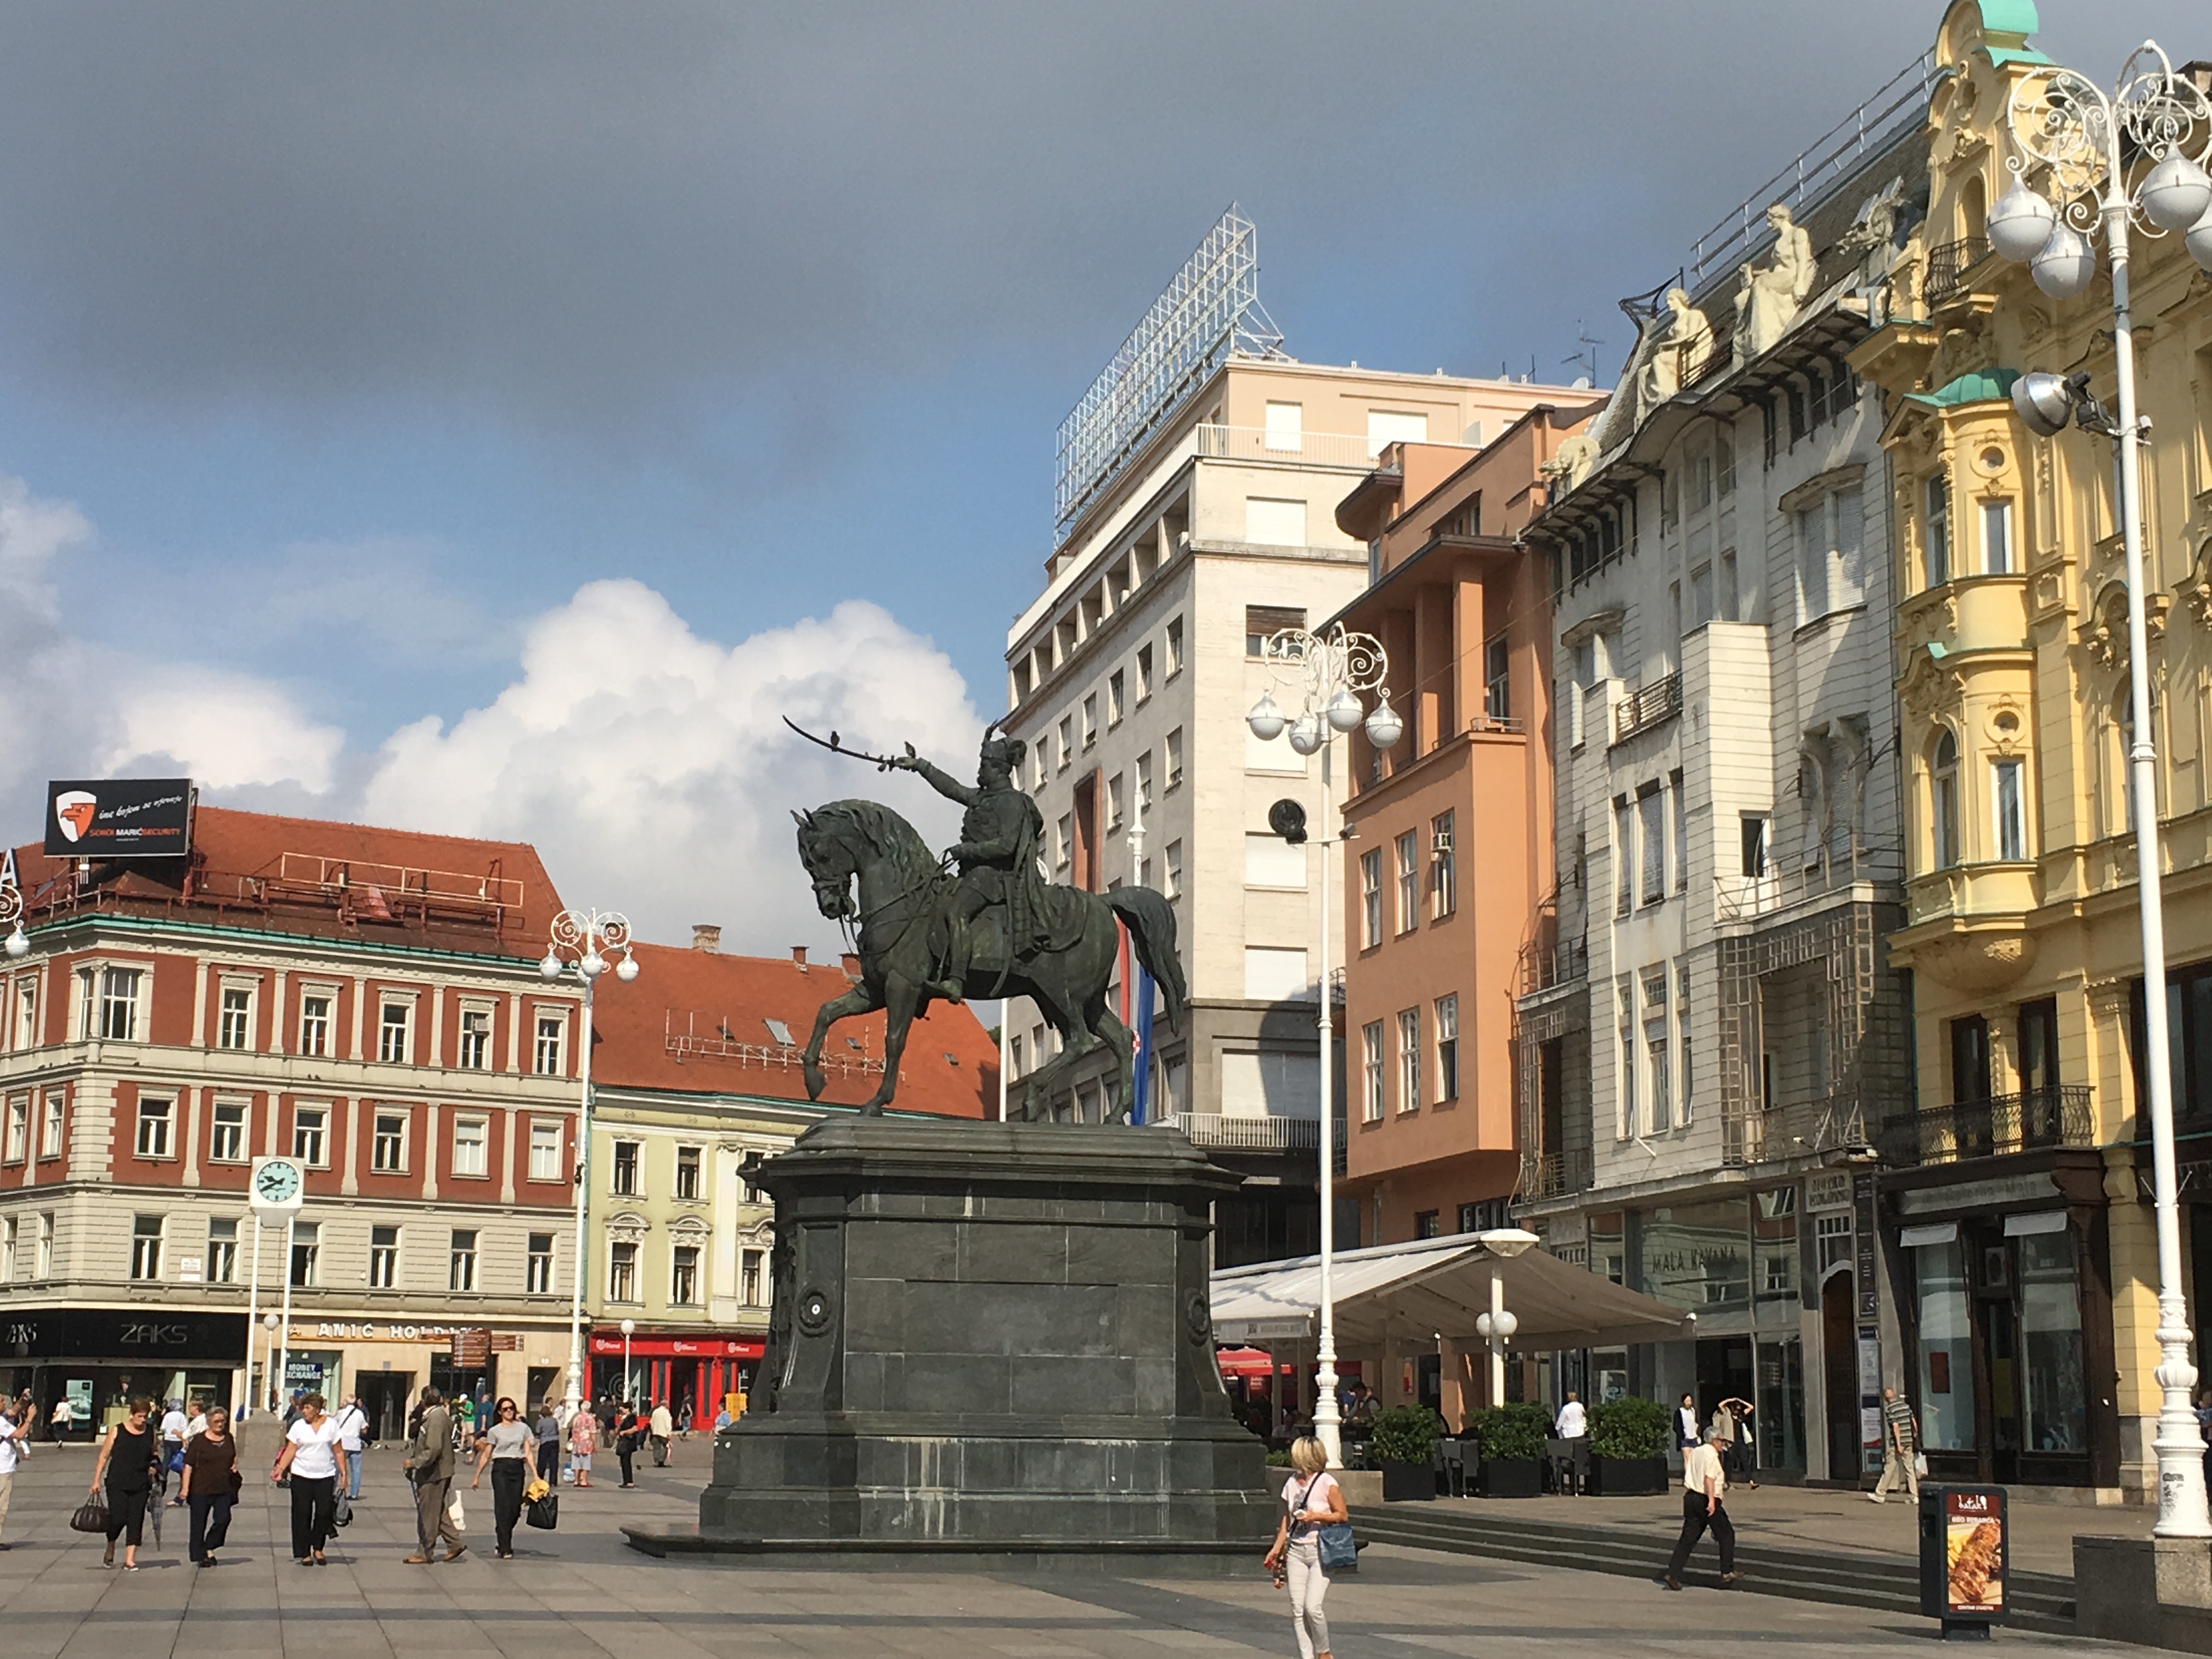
<point>150,1333</point>
<point>119,818</point>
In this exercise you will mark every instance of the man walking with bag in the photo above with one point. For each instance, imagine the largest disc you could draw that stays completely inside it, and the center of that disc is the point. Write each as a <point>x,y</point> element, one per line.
<point>1901,1449</point>
<point>1704,1483</point>
<point>352,1422</point>
<point>664,1430</point>
<point>430,1464</point>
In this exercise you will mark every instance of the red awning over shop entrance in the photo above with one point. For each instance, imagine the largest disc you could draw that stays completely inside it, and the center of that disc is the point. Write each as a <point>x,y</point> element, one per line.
<point>647,1346</point>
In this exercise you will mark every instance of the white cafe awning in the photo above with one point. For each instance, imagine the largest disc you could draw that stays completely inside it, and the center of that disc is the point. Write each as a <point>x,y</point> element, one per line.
<point>1436,1287</point>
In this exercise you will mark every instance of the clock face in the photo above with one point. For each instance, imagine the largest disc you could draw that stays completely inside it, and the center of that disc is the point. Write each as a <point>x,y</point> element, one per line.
<point>277,1182</point>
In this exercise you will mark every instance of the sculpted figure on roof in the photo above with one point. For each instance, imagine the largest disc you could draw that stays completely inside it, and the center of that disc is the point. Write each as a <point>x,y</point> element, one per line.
<point>1678,351</point>
<point>1771,294</point>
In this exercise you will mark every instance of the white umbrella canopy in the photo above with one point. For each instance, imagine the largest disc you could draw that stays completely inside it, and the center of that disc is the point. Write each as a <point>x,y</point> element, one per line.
<point>1436,1287</point>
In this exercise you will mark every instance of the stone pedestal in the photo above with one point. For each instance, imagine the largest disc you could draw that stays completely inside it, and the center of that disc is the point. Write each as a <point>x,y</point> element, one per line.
<point>990,1341</point>
<point>2154,1590</point>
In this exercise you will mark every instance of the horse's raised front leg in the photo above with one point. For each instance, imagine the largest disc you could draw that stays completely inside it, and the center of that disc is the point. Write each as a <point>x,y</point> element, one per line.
<point>1107,1026</point>
<point>858,1000</point>
<point>902,997</point>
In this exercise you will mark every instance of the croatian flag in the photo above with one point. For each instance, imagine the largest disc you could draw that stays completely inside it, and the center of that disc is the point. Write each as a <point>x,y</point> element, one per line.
<point>1137,984</point>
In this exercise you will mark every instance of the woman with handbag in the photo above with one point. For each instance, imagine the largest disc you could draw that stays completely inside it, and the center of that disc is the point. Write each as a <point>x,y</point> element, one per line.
<point>315,1459</point>
<point>128,1458</point>
<point>583,1441</point>
<point>630,1434</point>
<point>1311,1500</point>
<point>507,1446</point>
<point>211,1484</point>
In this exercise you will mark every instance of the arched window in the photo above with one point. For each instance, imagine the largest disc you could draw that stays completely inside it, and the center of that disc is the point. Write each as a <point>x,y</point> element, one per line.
<point>1943,800</point>
<point>1973,209</point>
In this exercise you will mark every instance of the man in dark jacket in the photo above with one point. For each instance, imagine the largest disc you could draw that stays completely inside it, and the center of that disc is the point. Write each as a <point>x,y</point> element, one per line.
<point>430,1464</point>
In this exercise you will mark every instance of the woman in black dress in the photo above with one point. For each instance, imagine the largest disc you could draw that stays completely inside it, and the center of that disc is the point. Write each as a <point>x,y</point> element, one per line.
<point>128,1457</point>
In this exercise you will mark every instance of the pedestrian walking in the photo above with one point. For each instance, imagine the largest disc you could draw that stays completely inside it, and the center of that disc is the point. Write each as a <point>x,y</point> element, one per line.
<point>174,1427</point>
<point>1735,1414</point>
<point>129,1455</point>
<point>14,1442</point>
<point>65,1414</point>
<point>629,1435</point>
<point>549,1442</point>
<point>1705,1483</point>
<point>430,1464</point>
<point>211,1484</point>
<point>1900,1451</point>
<point>662,1425</point>
<point>317,1462</point>
<point>583,1441</point>
<point>353,1424</point>
<point>1685,1424</point>
<point>1572,1426</point>
<point>1311,1499</point>
<point>505,1447</point>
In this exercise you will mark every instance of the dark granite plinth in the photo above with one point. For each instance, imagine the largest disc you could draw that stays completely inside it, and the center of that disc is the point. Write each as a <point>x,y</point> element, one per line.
<point>988,1338</point>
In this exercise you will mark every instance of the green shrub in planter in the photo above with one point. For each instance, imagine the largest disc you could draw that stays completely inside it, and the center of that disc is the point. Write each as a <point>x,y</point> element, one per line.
<point>1279,1460</point>
<point>1630,1428</point>
<point>1406,1434</point>
<point>1504,1432</point>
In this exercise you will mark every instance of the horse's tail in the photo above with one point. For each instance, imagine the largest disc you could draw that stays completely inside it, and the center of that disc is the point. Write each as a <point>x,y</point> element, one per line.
<point>1152,924</point>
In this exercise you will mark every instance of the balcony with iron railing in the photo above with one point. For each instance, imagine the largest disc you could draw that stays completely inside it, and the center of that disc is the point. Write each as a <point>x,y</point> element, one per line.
<point>1811,1128</point>
<point>2060,1115</point>
<point>1948,266</point>
<point>1842,863</point>
<point>1219,1131</point>
<point>1555,1174</point>
<point>1564,963</point>
<point>1647,707</point>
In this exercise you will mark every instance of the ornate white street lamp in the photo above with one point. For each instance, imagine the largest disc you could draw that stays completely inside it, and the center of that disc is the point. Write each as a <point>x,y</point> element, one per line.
<point>582,942</point>
<point>628,1330</point>
<point>2131,160</point>
<point>1497,1327</point>
<point>1328,671</point>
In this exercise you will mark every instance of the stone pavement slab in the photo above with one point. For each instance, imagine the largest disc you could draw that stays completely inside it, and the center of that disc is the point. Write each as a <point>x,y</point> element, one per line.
<point>580,1593</point>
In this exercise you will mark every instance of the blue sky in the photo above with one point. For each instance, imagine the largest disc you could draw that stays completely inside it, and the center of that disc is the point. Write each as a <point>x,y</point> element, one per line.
<point>361,340</point>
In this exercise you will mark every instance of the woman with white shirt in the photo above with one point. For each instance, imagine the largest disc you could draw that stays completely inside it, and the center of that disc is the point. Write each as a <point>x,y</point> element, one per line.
<point>316,1461</point>
<point>1311,1499</point>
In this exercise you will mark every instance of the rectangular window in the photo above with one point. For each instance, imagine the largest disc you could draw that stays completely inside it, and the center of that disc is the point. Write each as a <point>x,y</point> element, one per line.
<point>1409,882</point>
<point>1117,799</point>
<point>1444,866</point>
<point>2009,813</point>
<point>1428,1224</point>
<point>1682,1031</point>
<point>227,1132</point>
<point>683,1276</point>
<point>1117,698</point>
<point>222,1250</point>
<point>1447,1048</point>
<point>549,1057</point>
<point>538,1272</point>
<point>26,1013</point>
<point>1174,758</point>
<point>1630,1123</point>
<point>474,1053</point>
<point>625,1174</point>
<point>235,1029</point>
<point>1996,539</point>
<point>1285,426</point>
<point>10,1231</point>
<point>1063,842</point>
<point>471,1147</point>
<point>1371,898</point>
<point>461,1260</point>
<point>307,1251</point>
<point>1371,1039</point>
<point>1144,672</point>
<point>43,1266</point>
<point>315,1026</point>
<point>1655,1049</point>
<point>146,1246</point>
<point>19,1130</point>
<point>1275,974</point>
<point>1263,622</point>
<point>1812,561</point>
<point>309,1136</point>
<point>387,1146</point>
<point>621,1272</point>
<point>1497,678</point>
<point>155,1117</point>
<point>1271,861</point>
<point>1272,522</point>
<point>118,1005</point>
<point>1144,786</point>
<point>1174,646</point>
<point>50,1135</point>
<point>749,1265</point>
<point>1391,426</point>
<point>1409,1060</point>
<point>1936,528</point>
<point>383,1258</point>
<point>1066,742</point>
<point>1651,833</point>
<point>687,1173</point>
<point>395,1033</point>
<point>1681,832</point>
<point>1175,869</point>
<point>544,1150</point>
<point>1624,858</point>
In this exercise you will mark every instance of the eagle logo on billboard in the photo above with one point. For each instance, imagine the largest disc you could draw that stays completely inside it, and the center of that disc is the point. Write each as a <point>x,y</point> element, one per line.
<point>73,813</point>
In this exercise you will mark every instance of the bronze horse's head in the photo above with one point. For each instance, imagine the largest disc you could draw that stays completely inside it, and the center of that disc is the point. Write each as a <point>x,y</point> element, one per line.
<point>829,863</point>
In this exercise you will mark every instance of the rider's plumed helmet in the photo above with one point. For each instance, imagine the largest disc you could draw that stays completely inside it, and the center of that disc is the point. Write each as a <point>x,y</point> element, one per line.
<point>1004,751</point>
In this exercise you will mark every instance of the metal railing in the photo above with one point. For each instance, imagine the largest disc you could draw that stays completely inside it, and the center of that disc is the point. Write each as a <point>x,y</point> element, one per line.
<point>1255,443</point>
<point>2059,1115</point>
<point>1841,864</point>
<point>1215,1132</point>
<point>1563,964</point>
<point>1948,264</point>
<point>1801,1128</point>
<point>1648,706</point>
<point>1552,1175</point>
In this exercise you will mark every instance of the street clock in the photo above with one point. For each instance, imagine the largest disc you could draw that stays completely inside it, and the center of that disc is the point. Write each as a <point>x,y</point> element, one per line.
<point>277,1185</point>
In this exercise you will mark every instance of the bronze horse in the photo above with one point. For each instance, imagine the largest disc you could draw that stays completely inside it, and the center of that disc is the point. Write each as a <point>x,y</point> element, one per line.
<point>901,936</point>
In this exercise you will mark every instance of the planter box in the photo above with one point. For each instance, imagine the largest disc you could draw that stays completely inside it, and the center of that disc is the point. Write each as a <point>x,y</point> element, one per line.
<point>1511,1477</point>
<point>1628,1477</point>
<point>1403,1482</point>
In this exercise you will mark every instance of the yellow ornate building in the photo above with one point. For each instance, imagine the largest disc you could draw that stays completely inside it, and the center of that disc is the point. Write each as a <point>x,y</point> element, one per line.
<point>2016,1199</point>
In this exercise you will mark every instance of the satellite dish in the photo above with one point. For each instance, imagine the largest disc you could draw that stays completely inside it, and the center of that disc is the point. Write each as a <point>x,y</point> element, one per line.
<point>1288,819</point>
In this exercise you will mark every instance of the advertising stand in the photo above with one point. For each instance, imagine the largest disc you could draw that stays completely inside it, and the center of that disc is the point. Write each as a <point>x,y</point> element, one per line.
<point>1962,1559</point>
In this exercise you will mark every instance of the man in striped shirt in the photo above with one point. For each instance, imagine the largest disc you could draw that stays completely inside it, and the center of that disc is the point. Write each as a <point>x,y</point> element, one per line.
<point>1901,1445</point>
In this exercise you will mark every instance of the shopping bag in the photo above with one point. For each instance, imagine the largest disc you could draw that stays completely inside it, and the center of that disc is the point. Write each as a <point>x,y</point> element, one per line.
<point>91,1516</point>
<point>1920,1465</point>
<point>544,1513</point>
<point>341,1511</point>
<point>453,1513</point>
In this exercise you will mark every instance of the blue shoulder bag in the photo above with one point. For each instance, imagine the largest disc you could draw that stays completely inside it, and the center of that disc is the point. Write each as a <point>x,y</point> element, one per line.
<point>1334,1543</point>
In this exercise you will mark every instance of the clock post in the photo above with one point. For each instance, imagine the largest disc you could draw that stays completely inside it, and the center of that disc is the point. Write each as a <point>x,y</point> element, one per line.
<point>278,1186</point>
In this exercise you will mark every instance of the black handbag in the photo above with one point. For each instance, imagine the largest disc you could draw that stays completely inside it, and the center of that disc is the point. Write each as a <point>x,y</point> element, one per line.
<point>91,1516</point>
<point>546,1513</point>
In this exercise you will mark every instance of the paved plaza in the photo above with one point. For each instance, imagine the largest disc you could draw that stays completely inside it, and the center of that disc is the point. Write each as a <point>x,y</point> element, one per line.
<point>582,1592</point>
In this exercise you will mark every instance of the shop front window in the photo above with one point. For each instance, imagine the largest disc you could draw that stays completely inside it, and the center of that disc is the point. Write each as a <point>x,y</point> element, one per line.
<point>2057,1403</point>
<point>1697,1257</point>
<point>1774,1244</point>
<point>1947,1360</point>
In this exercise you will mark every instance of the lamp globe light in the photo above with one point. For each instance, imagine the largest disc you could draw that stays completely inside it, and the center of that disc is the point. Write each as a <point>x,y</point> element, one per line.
<point>2063,268</point>
<point>2177,194</point>
<point>1344,712</point>
<point>550,967</point>
<point>2019,223</point>
<point>2198,240</point>
<point>1307,734</point>
<point>2043,403</point>
<point>19,942</point>
<point>1384,728</point>
<point>626,969</point>
<point>1266,720</point>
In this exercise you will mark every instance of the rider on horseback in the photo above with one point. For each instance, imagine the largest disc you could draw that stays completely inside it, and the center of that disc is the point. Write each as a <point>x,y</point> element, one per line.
<point>997,855</point>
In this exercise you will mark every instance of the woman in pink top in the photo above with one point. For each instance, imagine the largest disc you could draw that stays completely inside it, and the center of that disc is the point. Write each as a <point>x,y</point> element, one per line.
<point>583,1440</point>
<point>1311,1499</point>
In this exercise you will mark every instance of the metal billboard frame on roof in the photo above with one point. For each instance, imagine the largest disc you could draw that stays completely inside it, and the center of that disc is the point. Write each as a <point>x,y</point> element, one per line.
<point>1211,309</point>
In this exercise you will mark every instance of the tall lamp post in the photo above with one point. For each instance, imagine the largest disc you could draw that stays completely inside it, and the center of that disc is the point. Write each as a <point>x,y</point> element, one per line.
<point>1327,673</point>
<point>2129,160</point>
<point>1497,1327</point>
<point>582,941</point>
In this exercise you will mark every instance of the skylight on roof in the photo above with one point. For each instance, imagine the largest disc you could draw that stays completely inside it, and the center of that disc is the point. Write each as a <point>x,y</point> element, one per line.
<point>780,1031</point>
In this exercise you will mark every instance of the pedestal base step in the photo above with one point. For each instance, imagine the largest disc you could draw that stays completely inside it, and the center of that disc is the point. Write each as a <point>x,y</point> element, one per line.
<point>1138,1560</point>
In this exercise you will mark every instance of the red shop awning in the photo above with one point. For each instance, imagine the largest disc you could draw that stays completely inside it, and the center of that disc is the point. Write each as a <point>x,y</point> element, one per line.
<point>1243,1362</point>
<point>647,1346</point>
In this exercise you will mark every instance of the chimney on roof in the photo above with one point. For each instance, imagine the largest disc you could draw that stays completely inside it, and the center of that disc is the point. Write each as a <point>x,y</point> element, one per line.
<point>851,965</point>
<point>799,958</point>
<point>705,935</point>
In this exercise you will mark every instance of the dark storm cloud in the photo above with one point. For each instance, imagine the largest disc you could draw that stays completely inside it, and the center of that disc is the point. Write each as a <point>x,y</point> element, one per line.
<point>586,218</point>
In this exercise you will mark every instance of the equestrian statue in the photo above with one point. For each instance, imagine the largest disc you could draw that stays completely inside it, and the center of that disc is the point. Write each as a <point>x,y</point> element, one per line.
<point>981,922</point>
